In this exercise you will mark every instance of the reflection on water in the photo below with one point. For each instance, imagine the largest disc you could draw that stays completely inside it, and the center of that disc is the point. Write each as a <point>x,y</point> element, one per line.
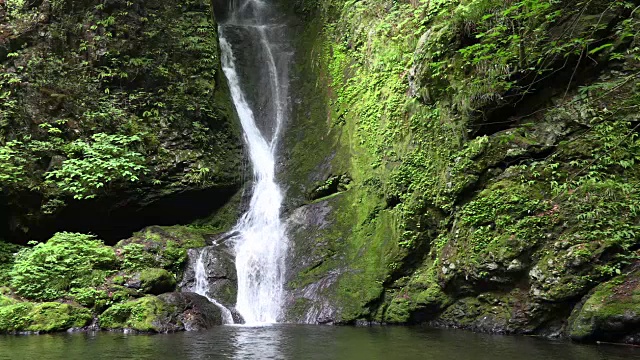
<point>303,342</point>
<point>257,342</point>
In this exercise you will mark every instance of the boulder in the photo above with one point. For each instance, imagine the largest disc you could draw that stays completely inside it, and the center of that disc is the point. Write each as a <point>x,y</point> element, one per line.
<point>610,312</point>
<point>156,281</point>
<point>219,273</point>
<point>27,317</point>
<point>170,312</point>
<point>194,311</point>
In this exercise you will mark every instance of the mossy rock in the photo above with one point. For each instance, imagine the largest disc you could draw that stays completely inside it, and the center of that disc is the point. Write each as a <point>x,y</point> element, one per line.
<point>611,312</point>
<point>43,317</point>
<point>147,314</point>
<point>7,300</point>
<point>161,247</point>
<point>156,281</point>
<point>169,312</point>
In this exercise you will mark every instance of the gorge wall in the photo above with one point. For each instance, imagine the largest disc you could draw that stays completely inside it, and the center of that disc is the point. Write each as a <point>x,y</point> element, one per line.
<point>466,163</point>
<point>460,163</point>
<point>114,115</point>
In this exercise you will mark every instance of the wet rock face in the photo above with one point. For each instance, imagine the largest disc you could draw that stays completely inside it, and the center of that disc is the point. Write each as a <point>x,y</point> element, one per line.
<point>194,312</point>
<point>219,272</point>
<point>309,300</point>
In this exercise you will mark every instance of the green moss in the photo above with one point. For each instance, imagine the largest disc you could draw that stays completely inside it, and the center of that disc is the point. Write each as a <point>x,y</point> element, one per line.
<point>143,314</point>
<point>44,317</point>
<point>161,247</point>
<point>7,300</point>
<point>89,297</point>
<point>398,311</point>
<point>610,311</point>
<point>156,281</point>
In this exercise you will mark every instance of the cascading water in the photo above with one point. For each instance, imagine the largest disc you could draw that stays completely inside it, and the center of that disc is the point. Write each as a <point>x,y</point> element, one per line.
<point>201,286</point>
<point>260,245</point>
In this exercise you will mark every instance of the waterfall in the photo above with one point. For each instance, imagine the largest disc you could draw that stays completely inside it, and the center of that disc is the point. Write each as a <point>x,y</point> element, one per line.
<point>201,286</point>
<point>260,245</point>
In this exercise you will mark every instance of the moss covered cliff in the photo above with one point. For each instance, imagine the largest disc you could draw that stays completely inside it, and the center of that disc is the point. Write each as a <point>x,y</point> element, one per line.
<point>474,162</point>
<point>113,116</point>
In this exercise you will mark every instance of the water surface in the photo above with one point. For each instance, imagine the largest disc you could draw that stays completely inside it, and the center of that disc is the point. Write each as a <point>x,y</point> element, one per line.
<point>304,342</point>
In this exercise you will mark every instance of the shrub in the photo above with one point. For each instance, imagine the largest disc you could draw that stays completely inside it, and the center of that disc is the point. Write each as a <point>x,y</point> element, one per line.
<point>67,261</point>
<point>94,165</point>
<point>136,257</point>
<point>6,260</point>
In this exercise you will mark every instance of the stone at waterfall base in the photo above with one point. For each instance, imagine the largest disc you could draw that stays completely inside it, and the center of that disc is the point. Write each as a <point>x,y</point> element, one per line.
<point>170,312</point>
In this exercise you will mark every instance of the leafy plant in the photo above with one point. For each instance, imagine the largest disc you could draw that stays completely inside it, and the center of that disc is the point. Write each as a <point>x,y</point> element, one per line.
<point>67,261</point>
<point>94,165</point>
<point>137,258</point>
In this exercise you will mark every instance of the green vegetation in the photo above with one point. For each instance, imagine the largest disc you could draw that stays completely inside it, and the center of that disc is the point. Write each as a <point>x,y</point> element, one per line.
<point>44,317</point>
<point>121,104</point>
<point>92,166</point>
<point>490,145</point>
<point>141,315</point>
<point>67,261</point>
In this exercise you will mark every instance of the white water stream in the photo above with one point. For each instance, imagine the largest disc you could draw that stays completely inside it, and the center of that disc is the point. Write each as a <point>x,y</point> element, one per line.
<point>201,286</point>
<point>259,239</point>
<point>260,245</point>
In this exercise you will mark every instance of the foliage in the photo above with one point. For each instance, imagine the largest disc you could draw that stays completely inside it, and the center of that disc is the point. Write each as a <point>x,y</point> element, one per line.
<point>135,257</point>
<point>66,262</point>
<point>89,296</point>
<point>7,251</point>
<point>12,171</point>
<point>92,166</point>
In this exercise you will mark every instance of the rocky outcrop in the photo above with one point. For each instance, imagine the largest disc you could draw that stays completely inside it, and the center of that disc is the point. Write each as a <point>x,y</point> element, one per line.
<point>193,311</point>
<point>18,317</point>
<point>114,117</point>
<point>152,281</point>
<point>308,298</point>
<point>81,280</point>
<point>485,190</point>
<point>169,312</point>
<point>219,273</point>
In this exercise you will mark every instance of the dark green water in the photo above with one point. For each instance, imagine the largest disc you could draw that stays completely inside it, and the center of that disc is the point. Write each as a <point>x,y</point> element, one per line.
<point>304,342</point>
